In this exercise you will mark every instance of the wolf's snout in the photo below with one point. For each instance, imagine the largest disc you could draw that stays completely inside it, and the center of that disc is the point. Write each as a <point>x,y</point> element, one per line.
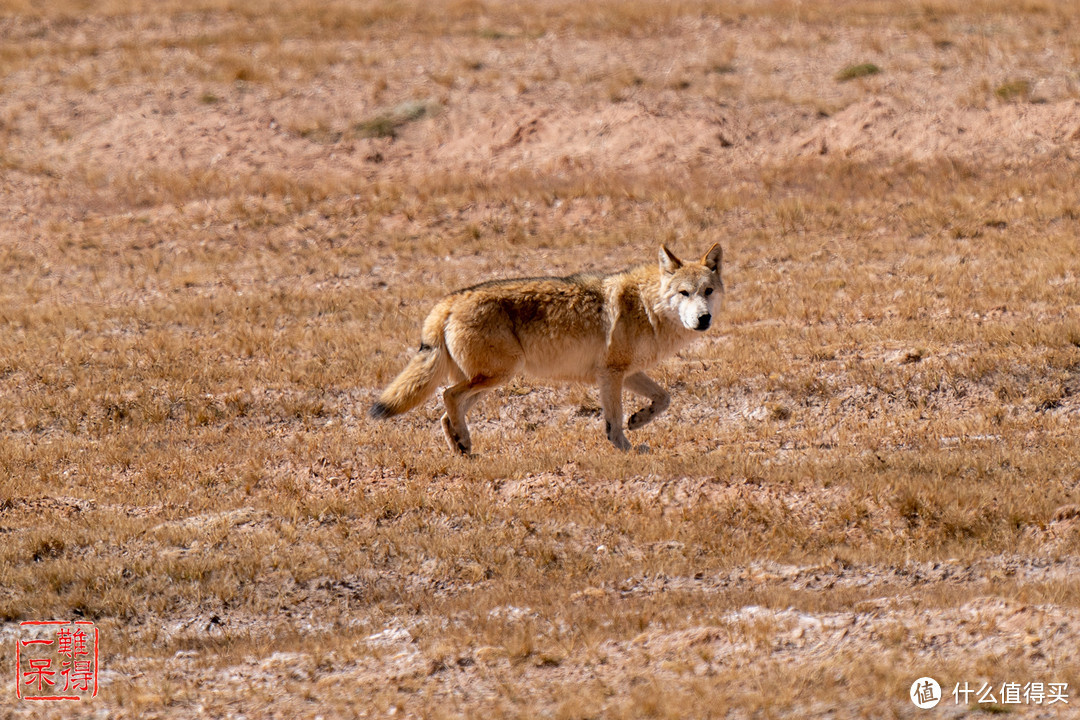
<point>703,321</point>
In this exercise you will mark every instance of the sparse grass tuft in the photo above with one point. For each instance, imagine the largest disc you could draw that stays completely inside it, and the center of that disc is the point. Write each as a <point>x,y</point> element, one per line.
<point>1013,90</point>
<point>386,124</point>
<point>721,60</point>
<point>622,83</point>
<point>852,72</point>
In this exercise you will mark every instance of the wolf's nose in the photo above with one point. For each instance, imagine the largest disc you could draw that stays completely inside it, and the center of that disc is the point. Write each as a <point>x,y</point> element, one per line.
<point>703,321</point>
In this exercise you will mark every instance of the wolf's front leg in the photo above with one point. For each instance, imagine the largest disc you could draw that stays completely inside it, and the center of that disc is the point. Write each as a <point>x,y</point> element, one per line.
<point>611,401</point>
<point>644,385</point>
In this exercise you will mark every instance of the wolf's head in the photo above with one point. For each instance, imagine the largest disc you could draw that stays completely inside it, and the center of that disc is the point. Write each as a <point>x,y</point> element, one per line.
<point>690,290</point>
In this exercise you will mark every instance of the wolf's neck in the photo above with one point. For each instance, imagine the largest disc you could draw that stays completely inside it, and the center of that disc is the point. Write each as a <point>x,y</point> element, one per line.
<point>649,290</point>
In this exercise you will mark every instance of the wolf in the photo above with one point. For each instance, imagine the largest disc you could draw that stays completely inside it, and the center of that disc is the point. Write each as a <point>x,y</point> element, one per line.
<point>602,329</point>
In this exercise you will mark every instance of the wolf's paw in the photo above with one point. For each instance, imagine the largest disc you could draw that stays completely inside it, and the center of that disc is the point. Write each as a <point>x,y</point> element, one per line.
<point>458,442</point>
<point>615,435</point>
<point>459,445</point>
<point>643,449</point>
<point>639,419</point>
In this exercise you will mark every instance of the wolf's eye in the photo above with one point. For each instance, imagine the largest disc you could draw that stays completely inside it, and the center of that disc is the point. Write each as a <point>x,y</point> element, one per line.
<point>684,293</point>
<point>708,292</point>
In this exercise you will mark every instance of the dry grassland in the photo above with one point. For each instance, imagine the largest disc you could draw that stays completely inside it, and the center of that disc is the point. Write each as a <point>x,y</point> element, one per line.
<point>222,221</point>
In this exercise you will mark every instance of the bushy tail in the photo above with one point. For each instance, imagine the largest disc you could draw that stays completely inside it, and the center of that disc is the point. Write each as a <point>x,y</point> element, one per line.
<point>415,384</point>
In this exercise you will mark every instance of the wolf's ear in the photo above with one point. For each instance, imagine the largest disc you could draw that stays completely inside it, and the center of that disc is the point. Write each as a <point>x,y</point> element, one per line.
<point>713,257</point>
<point>668,262</point>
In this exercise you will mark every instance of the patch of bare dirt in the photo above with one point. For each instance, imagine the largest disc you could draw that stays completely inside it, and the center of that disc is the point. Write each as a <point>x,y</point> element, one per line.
<point>884,127</point>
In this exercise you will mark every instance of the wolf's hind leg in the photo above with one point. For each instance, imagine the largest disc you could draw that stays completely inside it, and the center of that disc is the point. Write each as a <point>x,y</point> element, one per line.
<point>645,386</point>
<point>458,399</point>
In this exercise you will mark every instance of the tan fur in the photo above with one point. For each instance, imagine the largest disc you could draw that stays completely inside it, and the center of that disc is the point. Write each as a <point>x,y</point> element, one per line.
<point>603,329</point>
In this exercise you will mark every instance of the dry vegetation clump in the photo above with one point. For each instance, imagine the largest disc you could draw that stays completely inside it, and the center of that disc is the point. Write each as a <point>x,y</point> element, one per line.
<point>223,221</point>
<point>857,71</point>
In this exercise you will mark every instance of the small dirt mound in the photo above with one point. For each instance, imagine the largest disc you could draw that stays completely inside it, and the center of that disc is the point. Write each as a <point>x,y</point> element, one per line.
<point>884,127</point>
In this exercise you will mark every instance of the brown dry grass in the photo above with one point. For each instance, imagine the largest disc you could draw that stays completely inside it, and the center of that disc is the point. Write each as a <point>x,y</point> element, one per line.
<point>222,223</point>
